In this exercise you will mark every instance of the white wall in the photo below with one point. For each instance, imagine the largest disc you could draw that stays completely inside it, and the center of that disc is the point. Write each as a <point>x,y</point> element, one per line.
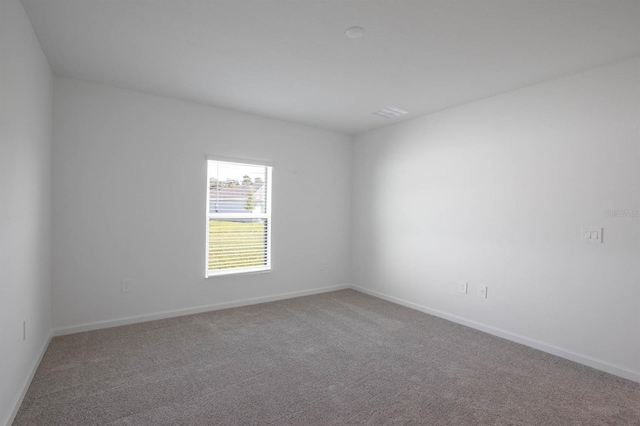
<point>129,202</point>
<point>25,204</point>
<point>496,192</point>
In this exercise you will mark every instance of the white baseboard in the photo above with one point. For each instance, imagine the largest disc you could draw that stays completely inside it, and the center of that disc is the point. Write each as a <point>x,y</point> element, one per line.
<point>61,331</point>
<point>25,386</point>
<point>536,344</point>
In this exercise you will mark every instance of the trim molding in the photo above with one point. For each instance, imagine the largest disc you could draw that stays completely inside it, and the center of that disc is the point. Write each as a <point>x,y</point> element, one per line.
<point>25,386</point>
<point>598,364</point>
<point>536,344</point>
<point>61,331</point>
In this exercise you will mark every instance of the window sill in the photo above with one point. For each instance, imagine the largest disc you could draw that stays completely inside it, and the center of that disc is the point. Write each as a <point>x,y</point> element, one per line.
<point>243,271</point>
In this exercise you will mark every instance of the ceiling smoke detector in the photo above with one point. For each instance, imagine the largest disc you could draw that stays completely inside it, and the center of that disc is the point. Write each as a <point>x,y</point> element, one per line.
<point>390,112</point>
<point>355,32</point>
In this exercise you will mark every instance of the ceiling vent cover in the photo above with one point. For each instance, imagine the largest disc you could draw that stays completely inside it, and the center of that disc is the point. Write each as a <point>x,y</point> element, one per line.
<point>390,112</point>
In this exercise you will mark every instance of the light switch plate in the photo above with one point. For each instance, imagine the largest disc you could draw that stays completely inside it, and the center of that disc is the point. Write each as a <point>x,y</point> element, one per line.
<point>482,291</point>
<point>463,288</point>
<point>591,235</point>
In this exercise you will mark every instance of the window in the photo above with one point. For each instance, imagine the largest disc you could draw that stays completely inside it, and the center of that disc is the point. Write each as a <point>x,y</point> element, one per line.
<point>238,217</point>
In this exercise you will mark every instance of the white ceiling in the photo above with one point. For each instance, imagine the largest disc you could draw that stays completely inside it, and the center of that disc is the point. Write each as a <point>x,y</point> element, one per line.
<point>291,59</point>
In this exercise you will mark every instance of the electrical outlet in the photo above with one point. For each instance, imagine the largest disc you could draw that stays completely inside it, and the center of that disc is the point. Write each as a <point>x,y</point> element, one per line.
<point>463,288</point>
<point>323,265</point>
<point>482,291</point>
<point>127,286</point>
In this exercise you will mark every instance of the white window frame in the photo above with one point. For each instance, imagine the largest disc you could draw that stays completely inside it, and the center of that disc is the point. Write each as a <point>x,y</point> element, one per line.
<point>267,215</point>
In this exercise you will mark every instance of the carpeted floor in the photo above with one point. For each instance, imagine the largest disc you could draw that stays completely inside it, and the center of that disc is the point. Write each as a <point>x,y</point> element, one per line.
<point>340,358</point>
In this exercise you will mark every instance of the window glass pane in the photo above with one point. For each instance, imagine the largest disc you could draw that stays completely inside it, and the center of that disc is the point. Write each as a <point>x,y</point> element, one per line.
<point>238,188</point>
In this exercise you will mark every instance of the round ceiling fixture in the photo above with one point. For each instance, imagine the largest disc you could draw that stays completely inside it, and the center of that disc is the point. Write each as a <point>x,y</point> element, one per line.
<point>355,32</point>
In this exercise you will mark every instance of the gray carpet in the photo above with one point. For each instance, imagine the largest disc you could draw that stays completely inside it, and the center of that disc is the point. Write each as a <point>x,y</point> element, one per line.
<point>340,358</point>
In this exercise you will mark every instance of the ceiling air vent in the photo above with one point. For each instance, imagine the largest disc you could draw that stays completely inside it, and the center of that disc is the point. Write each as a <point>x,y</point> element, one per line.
<point>389,112</point>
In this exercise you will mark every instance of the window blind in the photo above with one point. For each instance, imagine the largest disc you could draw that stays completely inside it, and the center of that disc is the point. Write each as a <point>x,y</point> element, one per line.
<point>238,217</point>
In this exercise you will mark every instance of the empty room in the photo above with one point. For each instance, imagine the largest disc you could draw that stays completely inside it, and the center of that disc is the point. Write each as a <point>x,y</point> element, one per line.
<point>320,212</point>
